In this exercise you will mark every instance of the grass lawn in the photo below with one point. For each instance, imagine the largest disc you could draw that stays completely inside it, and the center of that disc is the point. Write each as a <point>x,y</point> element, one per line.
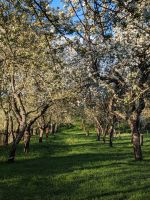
<point>71,166</point>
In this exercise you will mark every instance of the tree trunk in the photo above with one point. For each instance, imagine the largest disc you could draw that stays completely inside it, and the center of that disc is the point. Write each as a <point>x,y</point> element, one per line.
<point>55,128</point>
<point>141,139</point>
<point>47,133</point>
<point>12,152</point>
<point>41,135</point>
<point>14,145</point>
<point>111,136</point>
<point>31,131</point>
<point>34,131</point>
<point>18,130</point>
<point>104,136</point>
<point>134,122</point>
<point>52,129</point>
<point>105,132</point>
<point>6,132</point>
<point>23,126</point>
<point>12,128</point>
<point>98,134</point>
<point>26,138</point>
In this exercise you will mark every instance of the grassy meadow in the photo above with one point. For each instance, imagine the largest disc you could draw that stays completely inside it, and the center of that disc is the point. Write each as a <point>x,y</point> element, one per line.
<point>71,166</point>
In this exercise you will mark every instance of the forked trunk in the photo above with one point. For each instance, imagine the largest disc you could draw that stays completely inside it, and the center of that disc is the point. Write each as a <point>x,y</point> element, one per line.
<point>23,126</point>
<point>15,143</point>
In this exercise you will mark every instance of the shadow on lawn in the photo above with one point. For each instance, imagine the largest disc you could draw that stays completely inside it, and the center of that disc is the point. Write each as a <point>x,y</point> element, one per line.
<point>124,194</point>
<point>43,173</point>
<point>36,177</point>
<point>47,164</point>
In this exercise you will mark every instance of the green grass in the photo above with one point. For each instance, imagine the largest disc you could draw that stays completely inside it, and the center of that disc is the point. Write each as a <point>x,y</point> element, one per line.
<point>71,166</point>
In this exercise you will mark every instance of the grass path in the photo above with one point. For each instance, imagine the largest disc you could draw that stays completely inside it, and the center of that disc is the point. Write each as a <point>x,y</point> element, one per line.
<point>72,166</point>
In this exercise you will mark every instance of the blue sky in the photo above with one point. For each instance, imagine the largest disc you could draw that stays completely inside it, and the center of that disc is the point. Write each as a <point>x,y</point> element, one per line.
<point>57,3</point>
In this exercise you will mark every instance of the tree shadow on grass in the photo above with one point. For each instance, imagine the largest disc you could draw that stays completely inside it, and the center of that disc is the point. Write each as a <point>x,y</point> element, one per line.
<point>46,177</point>
<point>54,165</point>
<point>52,171</point>
<point>38,178</point>
<point>122,194</point>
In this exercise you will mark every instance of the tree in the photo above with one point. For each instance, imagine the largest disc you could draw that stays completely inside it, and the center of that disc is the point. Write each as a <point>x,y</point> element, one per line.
<point>115,38</point>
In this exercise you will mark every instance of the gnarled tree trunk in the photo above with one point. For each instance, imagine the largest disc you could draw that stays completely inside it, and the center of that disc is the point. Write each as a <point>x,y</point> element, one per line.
<point>23,127</point>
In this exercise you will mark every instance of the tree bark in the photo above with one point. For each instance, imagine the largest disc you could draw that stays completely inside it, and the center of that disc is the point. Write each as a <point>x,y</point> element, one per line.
<point>12,128</point>
<point>34,131</point>
<point>98,134</point>
<point>134,122</point>
<point>55,128</point>
<point>23,127</point>
<point>41,135</point>
<point>47,133</point>
<point>6,131</point>
<point>141,139</point>
<point>26,139</point>
<point>104,136</point>
<point>111,136</point>
<point>31,131</point>
<point>15,143</point>
<point>105,133</point>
